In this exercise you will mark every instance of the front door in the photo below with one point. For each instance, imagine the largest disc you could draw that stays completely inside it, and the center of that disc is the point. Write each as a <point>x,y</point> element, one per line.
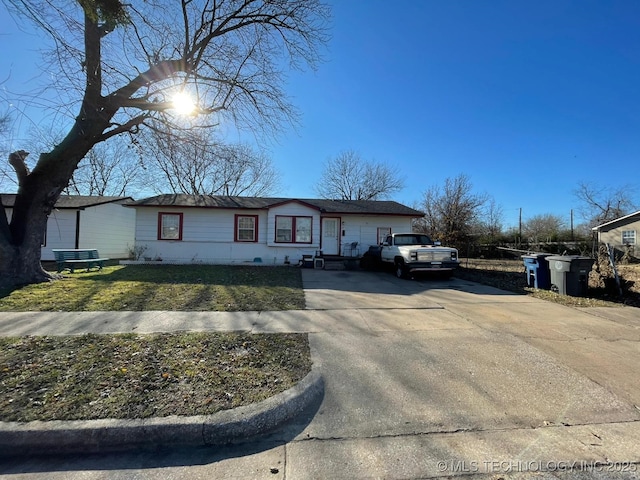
<point>331,236</point>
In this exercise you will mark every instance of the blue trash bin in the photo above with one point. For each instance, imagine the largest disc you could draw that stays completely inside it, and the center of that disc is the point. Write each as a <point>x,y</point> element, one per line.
<point>537,270</point>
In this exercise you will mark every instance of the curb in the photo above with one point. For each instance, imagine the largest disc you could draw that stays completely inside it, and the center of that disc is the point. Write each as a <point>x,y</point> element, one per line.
<point>222,428</point>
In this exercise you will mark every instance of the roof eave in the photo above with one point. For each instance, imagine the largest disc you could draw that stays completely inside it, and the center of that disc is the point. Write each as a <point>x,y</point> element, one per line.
<point>598,227</point>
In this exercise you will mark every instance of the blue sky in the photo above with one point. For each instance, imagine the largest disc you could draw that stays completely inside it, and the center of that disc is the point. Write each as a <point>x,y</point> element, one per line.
<point>527,98</point>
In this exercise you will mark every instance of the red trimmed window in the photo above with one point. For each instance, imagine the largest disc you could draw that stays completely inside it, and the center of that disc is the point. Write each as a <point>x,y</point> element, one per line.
<point>293,229</point>
<point>169,226</point>
<point>246,228</point>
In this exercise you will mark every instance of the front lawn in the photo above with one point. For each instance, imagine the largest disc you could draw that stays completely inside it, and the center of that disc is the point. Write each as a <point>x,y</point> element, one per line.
<point>164,287</point>
<point>141,376</point>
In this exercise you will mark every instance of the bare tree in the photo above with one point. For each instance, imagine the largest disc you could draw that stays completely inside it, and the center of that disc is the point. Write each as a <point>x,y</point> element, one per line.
<point>4,123</point>
<point>490,221</point>
<point>109,169</point>
<point>121,64</point>
<point>244,171</point>
<point>4,128</point>
<point>198,163</point>
<point>543,228</point>
<point>349,177</point>
<point>603,204</point>
<point>452,211</point>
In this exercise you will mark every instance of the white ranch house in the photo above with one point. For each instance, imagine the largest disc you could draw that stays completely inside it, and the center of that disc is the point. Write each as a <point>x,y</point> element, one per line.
<point>180,228</point>
<point>78,221</point>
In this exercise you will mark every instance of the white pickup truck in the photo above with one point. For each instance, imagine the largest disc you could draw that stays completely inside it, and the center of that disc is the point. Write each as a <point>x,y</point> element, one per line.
<point>415,252</point>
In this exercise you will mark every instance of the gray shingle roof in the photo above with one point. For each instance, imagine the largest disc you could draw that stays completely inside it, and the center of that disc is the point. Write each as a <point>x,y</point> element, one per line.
<point>356,207</point>
<point>69,201</point>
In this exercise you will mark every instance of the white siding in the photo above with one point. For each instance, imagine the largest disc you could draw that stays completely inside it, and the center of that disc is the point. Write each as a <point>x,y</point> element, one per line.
<point>208,235</point>
<point>61,232</point>
<point>294,209</point>
<point>109,228</point>
<point>364,230</point>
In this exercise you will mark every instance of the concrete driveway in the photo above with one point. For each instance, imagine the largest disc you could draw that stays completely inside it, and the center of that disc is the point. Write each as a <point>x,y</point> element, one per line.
<point>453,371</point>
<point>334,290</point>
<point>424,379</point>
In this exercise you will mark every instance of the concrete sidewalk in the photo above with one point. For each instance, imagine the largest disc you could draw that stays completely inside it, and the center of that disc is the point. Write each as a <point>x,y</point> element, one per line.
<point>423,379</point>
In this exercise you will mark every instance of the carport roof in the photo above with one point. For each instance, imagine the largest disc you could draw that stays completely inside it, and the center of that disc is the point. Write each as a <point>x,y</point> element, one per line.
<point>354,207</point>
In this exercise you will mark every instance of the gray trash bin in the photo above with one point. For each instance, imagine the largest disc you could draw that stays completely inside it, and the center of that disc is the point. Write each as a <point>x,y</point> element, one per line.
<point>570,274</point>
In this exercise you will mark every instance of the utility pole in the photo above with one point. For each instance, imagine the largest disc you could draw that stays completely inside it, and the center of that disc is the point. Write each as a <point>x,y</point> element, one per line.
<point>520,225</point>
<point>572,237</point>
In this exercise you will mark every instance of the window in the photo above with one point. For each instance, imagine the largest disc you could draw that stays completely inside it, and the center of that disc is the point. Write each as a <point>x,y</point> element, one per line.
<point>628,237</point>
<point>284,228</point>
<point>169,226</point>
<point>382,234</point>
<point>293,229</point>
<point>246,228</point>
<point>303,229</point>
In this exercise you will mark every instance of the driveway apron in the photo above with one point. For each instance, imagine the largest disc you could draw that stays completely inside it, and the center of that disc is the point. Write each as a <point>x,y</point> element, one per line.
<point>455,362</point>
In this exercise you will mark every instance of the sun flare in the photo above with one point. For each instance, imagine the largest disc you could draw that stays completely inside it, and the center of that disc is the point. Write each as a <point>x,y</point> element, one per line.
<point>183,103</point>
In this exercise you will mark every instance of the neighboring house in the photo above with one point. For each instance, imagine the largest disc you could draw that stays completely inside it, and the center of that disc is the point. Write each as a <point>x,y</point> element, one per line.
<point>220,229</point>
<point>86,222</point>
<point>621,233</point>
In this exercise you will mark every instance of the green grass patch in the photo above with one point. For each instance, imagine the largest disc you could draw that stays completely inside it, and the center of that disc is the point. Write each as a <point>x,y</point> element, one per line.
<point>141,376</point>
<point>164,287</point>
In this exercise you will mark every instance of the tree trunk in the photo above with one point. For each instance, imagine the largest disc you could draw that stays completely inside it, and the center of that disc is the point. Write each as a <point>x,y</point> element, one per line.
<point>21,242</point>
<point>20,265</point>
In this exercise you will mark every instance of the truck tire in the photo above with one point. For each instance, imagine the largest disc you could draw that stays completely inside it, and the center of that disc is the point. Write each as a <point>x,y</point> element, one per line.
<point>400,269</point>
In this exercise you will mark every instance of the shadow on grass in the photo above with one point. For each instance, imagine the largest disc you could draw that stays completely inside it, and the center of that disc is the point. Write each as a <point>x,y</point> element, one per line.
<point>5,292</point>
<point>200,274</point>
<point>164,287</point>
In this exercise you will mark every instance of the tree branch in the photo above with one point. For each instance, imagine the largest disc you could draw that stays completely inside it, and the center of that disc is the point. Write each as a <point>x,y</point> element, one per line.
<point>159,71</point>
<point>17,161</point>
<point>130,126</point>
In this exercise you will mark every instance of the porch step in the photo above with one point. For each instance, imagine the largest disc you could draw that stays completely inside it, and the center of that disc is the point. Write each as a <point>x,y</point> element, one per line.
<point>334,264</point>
<point>341,263</point>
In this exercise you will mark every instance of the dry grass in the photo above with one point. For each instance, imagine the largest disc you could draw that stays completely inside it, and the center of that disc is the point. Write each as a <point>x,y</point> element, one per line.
<point>509,274</point>
<point>140,376</point>
<point>164,287</point>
